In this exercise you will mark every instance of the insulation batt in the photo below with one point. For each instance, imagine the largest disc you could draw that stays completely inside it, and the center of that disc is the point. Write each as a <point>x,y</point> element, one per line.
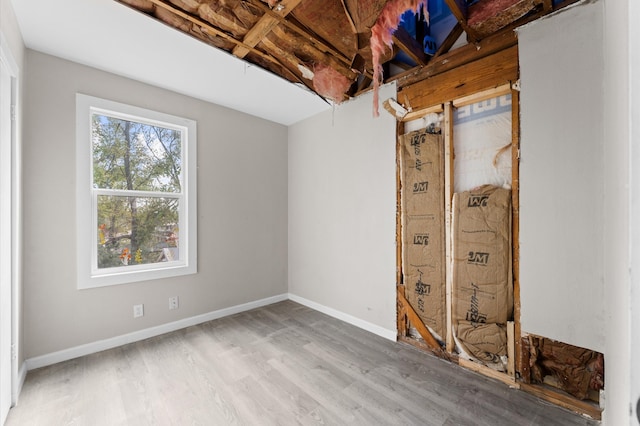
<point>329,83</point>
<point>382,37</point>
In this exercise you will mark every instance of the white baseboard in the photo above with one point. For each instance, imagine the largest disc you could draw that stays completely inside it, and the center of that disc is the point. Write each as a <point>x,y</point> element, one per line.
<point>101,345</point>
<point>365,325</point>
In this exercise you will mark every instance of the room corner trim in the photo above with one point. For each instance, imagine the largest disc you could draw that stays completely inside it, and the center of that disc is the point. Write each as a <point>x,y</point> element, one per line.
<point>365,325</point>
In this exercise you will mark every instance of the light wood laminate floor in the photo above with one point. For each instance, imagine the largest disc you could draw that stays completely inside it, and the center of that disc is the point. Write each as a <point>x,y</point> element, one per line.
<point>282,364</point>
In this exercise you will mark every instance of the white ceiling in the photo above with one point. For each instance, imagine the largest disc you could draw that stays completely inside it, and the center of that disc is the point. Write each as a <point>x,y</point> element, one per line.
<point>107,35</point>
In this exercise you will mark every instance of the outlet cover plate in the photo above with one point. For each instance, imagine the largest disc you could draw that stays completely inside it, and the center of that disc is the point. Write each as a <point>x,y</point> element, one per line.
<point>173,303</point>
<point>138,311</point>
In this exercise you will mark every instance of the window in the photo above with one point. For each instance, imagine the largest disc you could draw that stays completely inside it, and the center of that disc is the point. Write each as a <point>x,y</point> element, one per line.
<point>136,189</point>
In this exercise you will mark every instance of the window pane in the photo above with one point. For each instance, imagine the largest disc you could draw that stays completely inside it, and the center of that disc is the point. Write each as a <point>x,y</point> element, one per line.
<point>137,230</point>
<point>128,155</point>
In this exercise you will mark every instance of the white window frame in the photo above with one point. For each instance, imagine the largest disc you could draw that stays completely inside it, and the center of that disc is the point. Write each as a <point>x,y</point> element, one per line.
<point>88,274</point>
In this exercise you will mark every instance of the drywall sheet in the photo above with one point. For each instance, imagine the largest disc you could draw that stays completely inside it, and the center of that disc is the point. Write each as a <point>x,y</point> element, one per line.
<point>562,179</point>
<point>482,278</point>
<point>482,144</point>
<point>423,226</point>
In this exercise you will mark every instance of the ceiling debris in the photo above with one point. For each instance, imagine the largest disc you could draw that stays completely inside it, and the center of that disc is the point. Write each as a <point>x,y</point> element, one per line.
<point>341,48</point>
<point>329,83</point>
<point>487,17</point>
<point>382,37</point>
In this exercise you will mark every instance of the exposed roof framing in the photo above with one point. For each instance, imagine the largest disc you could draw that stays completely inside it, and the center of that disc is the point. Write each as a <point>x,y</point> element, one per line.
<point>294,38</point>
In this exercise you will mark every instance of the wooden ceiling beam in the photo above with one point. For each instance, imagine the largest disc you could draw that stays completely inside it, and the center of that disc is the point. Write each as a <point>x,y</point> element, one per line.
<point>352,23</point>
<point>289,59</point>
<point>451,39</point>
<point>208,28</point>
<point>459,10</point>
<point>312,55</point>
<point>460,56</point>
<point>264,27</point>
<point>483,74</point>
<point>321,45</point>
<point>410,46</point>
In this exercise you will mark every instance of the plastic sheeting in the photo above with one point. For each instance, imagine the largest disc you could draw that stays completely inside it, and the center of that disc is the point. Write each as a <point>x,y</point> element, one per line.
<point>482,140</point>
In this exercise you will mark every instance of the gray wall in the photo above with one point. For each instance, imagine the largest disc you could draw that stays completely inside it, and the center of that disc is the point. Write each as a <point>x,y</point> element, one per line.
<point>342,206</point>
<point>342,199</point>
<point>561,177</point>
<point>242,212</point>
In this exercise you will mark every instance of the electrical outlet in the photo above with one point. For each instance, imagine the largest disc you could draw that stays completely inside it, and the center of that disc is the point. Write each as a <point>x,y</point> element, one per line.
<point>173,302</point>
<point>138,311</point>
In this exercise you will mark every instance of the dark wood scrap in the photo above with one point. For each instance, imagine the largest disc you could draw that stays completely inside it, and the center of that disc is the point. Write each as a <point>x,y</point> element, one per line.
<point>402,324</point>
<point>576,370</point>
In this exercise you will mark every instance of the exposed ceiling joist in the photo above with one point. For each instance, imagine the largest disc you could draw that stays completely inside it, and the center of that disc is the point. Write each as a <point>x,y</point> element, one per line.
<point>459,10</point>
<point>410,46</point>
<point>293,25</point>
<point>451,39</point>
<point>292,38</point>
<point>459,57</point>
<point>206,26</point>
<point>264,26</point>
